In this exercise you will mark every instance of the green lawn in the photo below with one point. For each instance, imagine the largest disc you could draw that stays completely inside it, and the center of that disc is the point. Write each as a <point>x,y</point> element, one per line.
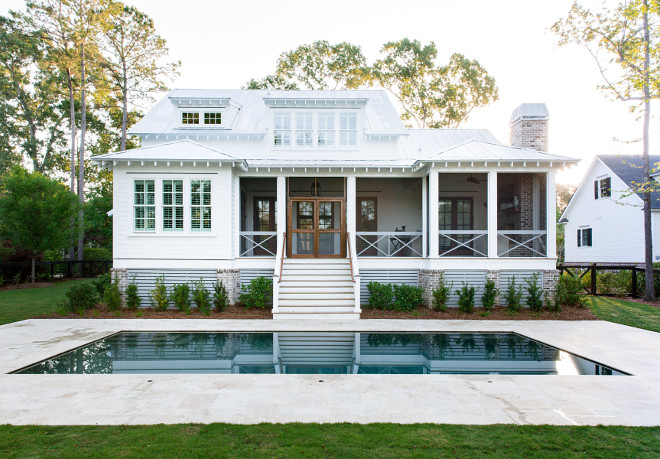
<point>27,303</point>
<point>329,440</point>
<point>625,312</point>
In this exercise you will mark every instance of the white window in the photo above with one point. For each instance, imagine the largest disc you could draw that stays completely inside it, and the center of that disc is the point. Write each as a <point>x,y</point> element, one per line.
<point>326,129</point>
<point>189,118</point>
<point>584,237</point>
<point>172,205</point>
<point>348,129</point>
<point>304,129</point>
<point>212,118</point>
<point>200,205</point>
<point>603,188</point>
<point>282,129</point>
<point>144,205</point>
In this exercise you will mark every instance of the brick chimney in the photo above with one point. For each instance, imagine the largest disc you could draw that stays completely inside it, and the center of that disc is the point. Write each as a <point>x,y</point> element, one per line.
<point>529,127</point>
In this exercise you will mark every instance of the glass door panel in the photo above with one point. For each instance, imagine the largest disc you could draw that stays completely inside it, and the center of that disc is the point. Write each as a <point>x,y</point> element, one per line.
<point>330,228</point>
<point>302,228</point>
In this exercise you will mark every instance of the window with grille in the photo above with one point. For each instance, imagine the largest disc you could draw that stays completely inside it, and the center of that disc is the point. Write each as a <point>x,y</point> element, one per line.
<point>348,129</point>
<point>304,129</point>
<point>282,129</point>
<point>326,129</point>
<point>188,118</point>
<point>144,205</point>
<point>200,205</point>
<point>584,237</point>
<point>212,118</point>
<point>172,205</point>
<point>603,188</point>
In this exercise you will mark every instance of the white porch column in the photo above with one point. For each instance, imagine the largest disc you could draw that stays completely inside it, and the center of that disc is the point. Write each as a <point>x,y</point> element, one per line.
<point>433,215</point>
<point>551,214</point>
<point>425,219</point>
<point>351,224</point>
<point>492,214</point>
<point>237,216</point>
<point>281,211</point>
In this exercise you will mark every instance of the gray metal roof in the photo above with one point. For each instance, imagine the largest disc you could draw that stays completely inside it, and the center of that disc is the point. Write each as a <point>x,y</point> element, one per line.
<point>530,112</point>
<point>629,169</point>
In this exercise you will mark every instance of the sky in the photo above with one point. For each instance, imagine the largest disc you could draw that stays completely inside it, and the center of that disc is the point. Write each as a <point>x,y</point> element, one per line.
<point>222,44</point>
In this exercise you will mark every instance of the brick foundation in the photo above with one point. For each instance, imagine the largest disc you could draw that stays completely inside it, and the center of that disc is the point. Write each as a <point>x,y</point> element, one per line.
<point>494,275</point>
<point>429,280</point>
<point>231,279</point>
<point>121,274</point>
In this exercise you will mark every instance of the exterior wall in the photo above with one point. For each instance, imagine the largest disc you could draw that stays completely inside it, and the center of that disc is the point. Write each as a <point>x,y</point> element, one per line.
<point>617,223</point>
<point>526,133</point>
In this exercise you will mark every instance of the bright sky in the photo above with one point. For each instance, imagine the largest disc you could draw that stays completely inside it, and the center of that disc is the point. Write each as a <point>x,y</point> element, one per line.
<point>222,44</point>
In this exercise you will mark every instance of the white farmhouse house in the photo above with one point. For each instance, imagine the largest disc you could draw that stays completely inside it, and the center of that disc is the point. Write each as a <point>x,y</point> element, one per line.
<point>604,220</point>
<point>325,191</point>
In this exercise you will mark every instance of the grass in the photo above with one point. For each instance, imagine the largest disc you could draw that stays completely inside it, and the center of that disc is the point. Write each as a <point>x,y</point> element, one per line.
<point>625,312</point>
<point>328,440</point>
<point>21,304</point>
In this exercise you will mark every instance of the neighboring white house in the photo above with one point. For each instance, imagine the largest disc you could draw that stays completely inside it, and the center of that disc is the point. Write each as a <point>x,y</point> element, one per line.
<point>604,220</point>
<point>325,191</point>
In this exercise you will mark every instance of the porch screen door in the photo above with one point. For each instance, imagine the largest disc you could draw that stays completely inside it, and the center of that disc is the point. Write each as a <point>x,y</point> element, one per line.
<point>316,227</point>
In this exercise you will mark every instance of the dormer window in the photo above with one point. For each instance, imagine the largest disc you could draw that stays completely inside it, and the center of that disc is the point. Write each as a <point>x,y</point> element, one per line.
<point>212,118</point>
<point>315,129</point>
<point>188,118</point>
<point>348,129</point>
<point>304,129</point>
<point>200,117</point>
<point>282,129</point>
<point>326,131</point>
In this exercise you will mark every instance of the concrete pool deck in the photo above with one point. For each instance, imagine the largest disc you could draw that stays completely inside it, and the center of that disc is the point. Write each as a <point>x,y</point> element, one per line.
<point>247,399</point>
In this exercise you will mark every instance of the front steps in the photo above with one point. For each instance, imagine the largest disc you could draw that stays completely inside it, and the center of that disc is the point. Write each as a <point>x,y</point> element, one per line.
<point>319,288</point>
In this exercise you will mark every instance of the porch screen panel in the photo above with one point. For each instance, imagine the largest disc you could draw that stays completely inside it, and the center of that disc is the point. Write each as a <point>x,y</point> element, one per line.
<point>302,224</point>
<point>144,205</point>
<point>444,221</point>
<point>200,205</point>
<point>329,227</point>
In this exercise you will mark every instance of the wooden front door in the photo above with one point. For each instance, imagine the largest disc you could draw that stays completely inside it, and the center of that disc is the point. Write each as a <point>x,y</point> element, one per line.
<point>316,228</point>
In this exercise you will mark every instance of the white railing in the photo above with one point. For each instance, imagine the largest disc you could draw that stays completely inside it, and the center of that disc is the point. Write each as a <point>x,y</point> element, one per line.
<point>388,244</point>
<point>277,275</point>
<point>523,243</point>
<point>258,243</point>
<point>462,243</point>
<point>355,273</point>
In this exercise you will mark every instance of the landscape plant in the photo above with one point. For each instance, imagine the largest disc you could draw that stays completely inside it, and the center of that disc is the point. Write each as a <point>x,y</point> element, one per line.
<point>81,297</point>
<point>202,297</point>
<point>180,296</point>
<point>102,282</point>
<point>407,297</point>
<point>569,291</point>
<point>159,298</point>
<point>381,296</point>
<point>133,300</point>
<point>111,295</point>
<point>220,296</point>
<point>552,302</point>
<point>513,296</point>
<point>490,295</point>
<point>466,298</point>
<point>441,294</point>
<point>534,293</point>
<point>257,294</point>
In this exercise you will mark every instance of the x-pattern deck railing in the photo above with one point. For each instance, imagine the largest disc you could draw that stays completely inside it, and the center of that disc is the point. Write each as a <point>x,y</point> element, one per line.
<point>527,240</point>
<point>259,241</point>
<point>459,243</point>
<point>397,243</point>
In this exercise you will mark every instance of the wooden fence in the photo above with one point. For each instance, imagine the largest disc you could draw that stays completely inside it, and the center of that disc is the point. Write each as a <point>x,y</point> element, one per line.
<point>581,270</point>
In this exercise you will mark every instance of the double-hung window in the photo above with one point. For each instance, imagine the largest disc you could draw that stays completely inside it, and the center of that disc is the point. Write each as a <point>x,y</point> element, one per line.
<point>584,237</point>
<point>304,129</point>
<point>212,118</point>
<point>188,118</point>
<point>144,205</point>
<point>200,205</point>
<point>326,129</point>
<point>348,129</point>
<point>282,129</point>
<point>603,188</point>
<point>172,205</point>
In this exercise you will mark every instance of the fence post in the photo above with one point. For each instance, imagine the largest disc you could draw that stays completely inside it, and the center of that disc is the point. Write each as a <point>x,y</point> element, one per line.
<point>634,282</point>
<point>593,279</point>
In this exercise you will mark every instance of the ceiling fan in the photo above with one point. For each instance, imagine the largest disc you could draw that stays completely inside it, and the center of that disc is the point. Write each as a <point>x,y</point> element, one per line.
<point>472,179</point>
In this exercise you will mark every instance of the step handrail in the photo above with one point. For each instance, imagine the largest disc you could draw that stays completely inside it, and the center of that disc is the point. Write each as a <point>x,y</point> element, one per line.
<point>282,256</point>
<point>350,255</point>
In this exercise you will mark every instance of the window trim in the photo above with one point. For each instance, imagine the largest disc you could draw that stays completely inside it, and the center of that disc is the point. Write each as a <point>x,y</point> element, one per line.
<point>581,236</point>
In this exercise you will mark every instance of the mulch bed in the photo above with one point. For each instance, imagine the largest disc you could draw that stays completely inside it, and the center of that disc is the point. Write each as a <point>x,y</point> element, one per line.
<point>497,313</point>
<point>29,285</point>
<point>101,312</point>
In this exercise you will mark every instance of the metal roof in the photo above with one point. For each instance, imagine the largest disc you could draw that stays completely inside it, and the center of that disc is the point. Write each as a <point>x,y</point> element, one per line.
<point>530,112</point>
<point>477,150</point>
<point>180,150</point>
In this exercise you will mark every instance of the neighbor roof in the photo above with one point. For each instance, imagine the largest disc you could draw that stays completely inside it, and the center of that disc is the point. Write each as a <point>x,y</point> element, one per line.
<point>629,169</point>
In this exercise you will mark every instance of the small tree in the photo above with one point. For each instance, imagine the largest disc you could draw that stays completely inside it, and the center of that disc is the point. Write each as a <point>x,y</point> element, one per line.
<point>35,213</point>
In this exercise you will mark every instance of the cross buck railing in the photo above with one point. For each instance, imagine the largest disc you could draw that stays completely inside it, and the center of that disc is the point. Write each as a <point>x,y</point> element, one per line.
<point>522,243</point>
<point>388,244</point>
<point>258,243</point>
<point>462,243</point>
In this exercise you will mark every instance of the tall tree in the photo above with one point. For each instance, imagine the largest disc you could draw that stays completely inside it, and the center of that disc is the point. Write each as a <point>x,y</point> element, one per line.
<point>431,95</point>
<point>35,212</point>
<point>133,52</point>
<point>625,43</point>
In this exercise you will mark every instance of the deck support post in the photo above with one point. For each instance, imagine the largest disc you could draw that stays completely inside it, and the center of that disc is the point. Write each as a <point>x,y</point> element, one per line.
<point>634,282</point>
<point>434,235</point>
<point>492,214</point>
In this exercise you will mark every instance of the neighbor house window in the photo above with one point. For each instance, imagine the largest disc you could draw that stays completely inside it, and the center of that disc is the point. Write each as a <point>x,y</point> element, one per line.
<point>603,188</point>
<point>326,129</point>
<point>584,237</point>
<point>212,118</point>
<point>172,205</point>
<point>200,205</point>
<point>303,129</point>
<point>282,129</point>
<point>348,129</point>
<point>189,118</point>
<point>144,205</point>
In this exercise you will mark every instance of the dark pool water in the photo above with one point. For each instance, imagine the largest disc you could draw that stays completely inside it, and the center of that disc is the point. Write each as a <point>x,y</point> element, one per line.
<point>319,353</point>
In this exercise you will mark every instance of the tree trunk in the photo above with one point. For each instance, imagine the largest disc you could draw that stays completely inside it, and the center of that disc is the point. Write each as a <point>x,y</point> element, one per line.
<point>649,294</point>
<point>72,124</point>
<point>81,156</point>
<point>34,269</point>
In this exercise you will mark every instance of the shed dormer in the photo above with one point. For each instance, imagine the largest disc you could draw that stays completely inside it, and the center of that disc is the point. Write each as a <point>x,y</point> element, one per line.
<point>204,112</point>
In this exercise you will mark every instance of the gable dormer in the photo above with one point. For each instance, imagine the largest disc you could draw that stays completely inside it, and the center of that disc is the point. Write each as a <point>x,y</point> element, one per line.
<point>204,113</point>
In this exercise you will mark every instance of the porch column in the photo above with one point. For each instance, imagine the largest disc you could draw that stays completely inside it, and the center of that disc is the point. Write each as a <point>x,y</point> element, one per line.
<point>351,224</point>
<point>237,217</point>
<point>433,215</point>
<point>281,211</point>
<point>551,214</point>
<point>425,219</point>
<point>492,214</point>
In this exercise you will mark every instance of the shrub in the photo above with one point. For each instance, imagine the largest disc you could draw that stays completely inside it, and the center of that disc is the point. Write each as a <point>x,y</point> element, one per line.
<point>180,296</point>
<point>552,303</point>
<point>617,283</point>
<point>258,293</point>
<point>111,294</point>
<point>81,297</point>
<point>96,253</point>
<point>513,296</point>
<point>641,281</point>
<point>490,295</point>
<point>407,297</point>
<point>220,296</point>
<point>569,291</point>
<point>466,299</point>
<point>158,295</point>
<point>202,297</point>
<point>534,293</point>
<point>441,295</point>
<point>102,282</point>
<point>380,295</point>
<point>132,299</point>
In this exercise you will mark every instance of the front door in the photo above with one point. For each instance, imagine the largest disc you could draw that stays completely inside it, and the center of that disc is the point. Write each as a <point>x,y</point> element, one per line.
<point>316,228</point>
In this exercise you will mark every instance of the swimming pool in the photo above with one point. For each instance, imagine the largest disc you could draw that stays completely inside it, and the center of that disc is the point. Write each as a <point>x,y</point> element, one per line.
<point>319,353</point>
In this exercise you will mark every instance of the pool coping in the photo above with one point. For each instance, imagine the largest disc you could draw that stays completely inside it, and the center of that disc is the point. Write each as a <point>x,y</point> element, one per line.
<point>247,399</point>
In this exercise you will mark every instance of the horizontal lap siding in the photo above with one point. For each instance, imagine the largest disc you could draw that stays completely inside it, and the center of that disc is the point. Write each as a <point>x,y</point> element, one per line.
<point>146,280</point>
<point>246,275</point>
<point>386,276</point>
<point>472,278</point>
<point>520,281</point>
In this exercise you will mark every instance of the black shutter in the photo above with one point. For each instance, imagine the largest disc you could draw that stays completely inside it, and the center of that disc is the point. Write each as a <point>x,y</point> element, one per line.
<point>595,189</point>
<point>579,238</point>
<point>587,241</point>
<point>607,191</point>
